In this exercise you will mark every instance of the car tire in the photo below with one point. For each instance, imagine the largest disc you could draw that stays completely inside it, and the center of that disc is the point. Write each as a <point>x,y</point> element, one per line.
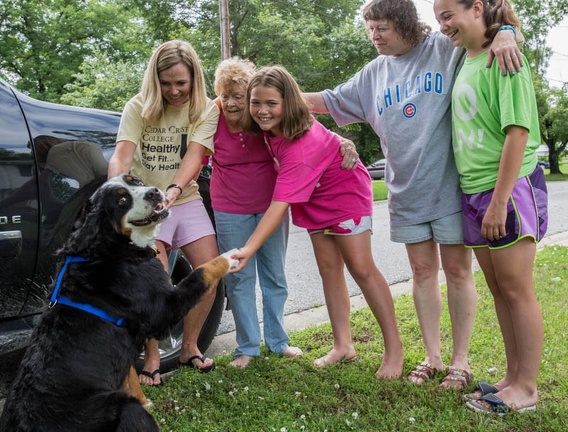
<point>170,346</point>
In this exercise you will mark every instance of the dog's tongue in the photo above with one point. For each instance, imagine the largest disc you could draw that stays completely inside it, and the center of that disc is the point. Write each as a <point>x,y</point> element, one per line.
<point>160,211</point>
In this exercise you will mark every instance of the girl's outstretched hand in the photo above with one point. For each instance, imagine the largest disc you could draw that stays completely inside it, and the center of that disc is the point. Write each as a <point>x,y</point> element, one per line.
<point>243,255</point>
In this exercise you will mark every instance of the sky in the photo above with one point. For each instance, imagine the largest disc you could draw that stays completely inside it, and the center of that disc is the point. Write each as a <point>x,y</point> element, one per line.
<point>557,72</point>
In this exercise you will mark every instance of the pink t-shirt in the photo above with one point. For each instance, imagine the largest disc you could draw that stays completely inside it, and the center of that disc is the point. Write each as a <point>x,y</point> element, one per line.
<point>243,175</point>
<point>311,180</point>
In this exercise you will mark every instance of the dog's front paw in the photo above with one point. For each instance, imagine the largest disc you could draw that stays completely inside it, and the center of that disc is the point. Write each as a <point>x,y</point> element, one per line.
<point>233,262</point>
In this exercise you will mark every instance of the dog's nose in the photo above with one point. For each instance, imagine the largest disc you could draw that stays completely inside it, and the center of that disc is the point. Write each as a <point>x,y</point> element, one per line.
<point>153,194</point>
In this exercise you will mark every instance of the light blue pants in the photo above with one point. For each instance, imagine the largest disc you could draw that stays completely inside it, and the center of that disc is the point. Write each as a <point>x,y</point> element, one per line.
<point>233,230</point>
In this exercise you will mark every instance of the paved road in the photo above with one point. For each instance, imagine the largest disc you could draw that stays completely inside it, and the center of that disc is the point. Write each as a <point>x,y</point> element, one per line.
<point>305,290</point>
<point>304,282</point>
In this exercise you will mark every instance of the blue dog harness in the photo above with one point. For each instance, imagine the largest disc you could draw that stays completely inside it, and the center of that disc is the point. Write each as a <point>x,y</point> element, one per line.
<point>56,298</point>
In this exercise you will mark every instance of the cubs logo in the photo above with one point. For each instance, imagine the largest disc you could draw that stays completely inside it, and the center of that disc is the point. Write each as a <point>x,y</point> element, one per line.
<point>409,110</point>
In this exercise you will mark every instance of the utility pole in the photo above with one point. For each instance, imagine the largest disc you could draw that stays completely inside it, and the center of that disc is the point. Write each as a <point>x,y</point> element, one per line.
<point>225,29</point>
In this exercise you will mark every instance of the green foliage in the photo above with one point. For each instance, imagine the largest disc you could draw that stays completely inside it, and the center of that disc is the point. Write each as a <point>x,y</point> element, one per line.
<point>92,52</point>
<point>281,394</point>
<point>104,84</point>
<point>537,18</point>
<point>552,106</point>
<point>43,43</point>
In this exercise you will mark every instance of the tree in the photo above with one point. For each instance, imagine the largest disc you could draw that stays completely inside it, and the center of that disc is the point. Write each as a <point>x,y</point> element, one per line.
<point>101,83</point>
<point>553,112</point>
<point>537,18</point>
<point>44,42</point>
<point>321,42</point>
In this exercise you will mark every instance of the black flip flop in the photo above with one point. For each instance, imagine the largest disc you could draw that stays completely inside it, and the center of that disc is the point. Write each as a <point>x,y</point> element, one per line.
<point>151,375</point>
<point>201,358</point>
<point>484,387</point>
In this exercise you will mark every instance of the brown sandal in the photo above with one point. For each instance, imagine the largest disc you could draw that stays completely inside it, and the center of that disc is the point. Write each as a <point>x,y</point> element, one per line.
<point>456,378</point>
<point>423,371</point>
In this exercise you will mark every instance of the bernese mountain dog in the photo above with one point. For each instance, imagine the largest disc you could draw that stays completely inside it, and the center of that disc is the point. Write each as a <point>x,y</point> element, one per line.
<point>109,296</point>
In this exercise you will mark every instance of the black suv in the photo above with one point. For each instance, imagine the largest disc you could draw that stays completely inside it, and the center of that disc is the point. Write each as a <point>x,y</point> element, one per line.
<point>52,158</point>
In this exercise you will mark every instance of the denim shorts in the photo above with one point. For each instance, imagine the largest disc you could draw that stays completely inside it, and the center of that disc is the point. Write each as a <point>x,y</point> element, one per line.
<point>187,223</point>
<point>527,213</point>
<point>446,230</point>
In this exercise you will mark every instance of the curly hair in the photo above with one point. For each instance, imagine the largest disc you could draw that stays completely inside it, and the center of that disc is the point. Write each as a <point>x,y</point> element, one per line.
<point>401,14</point>
<point>232,73</point>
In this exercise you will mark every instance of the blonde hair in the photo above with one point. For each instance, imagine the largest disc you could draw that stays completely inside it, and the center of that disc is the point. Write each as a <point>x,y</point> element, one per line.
<point>296,119</point>
<point>164,57</point>
<point>232,73</point>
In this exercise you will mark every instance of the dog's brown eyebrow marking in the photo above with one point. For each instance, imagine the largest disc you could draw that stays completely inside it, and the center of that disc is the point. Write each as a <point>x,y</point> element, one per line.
<point>121,191</point>
<point>134,181</point>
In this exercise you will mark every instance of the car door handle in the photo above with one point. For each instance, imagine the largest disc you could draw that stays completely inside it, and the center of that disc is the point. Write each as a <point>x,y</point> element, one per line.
<point>10,244</point>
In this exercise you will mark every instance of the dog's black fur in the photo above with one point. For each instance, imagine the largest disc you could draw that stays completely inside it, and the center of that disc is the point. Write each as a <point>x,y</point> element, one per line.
<point>71,375</point>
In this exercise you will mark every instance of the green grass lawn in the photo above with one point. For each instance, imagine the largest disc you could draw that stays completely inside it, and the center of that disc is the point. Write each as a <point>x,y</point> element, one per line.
<point>379,190</point>
<point>558,177</point>
<point>280,394</point>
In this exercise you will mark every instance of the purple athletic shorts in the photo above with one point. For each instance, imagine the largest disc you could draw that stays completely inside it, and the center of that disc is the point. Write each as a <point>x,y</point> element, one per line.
<point>527,213</point>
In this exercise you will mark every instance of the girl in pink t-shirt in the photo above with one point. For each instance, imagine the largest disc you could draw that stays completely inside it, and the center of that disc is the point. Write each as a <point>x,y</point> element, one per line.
<point>335,206</point>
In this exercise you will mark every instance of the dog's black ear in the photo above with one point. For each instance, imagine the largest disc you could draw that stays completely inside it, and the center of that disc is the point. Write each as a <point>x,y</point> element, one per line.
<point>82,215</point>
<point>85,229</point>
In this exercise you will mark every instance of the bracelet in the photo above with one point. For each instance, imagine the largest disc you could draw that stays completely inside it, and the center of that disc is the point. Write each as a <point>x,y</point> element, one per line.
<point>508,27</point>
<point>175,185</point>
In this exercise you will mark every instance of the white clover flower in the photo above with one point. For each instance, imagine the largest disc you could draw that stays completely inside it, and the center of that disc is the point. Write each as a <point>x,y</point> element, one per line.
<point>336,386</point>
<point>492,370</point>
<point>283,429</point>
<point>411,420</point>
<point>347,422</point>
<point>355,415</point>
<point>303,417</point>
<point>197,394</point>
<point>207,386</point>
